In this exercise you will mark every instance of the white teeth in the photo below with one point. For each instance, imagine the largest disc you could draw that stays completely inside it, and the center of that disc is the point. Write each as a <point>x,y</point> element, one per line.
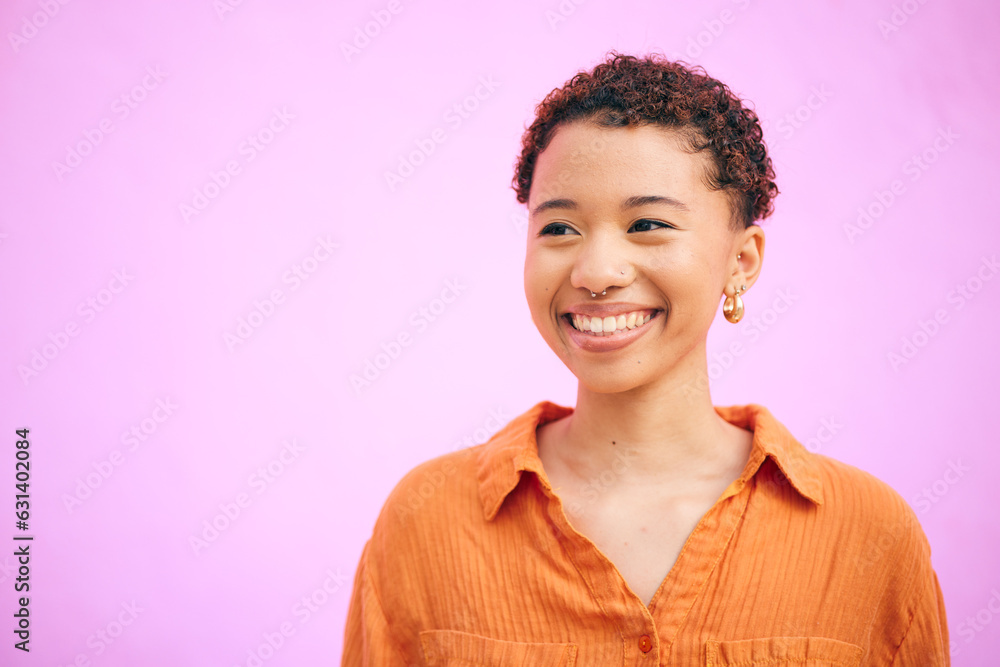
<point>611,324</point>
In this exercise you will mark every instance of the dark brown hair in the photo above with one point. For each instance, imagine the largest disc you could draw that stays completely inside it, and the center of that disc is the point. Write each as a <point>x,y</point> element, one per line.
<point>626,90</point>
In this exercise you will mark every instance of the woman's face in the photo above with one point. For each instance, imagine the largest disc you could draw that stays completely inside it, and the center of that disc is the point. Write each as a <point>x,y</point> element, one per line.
<point>627,210</point>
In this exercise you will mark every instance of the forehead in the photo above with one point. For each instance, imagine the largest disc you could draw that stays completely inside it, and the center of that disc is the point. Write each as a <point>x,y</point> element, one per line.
<point>583,158</point>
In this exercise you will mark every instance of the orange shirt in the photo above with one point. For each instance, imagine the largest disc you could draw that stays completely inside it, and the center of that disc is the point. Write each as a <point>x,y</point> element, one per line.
<point>803,560</point>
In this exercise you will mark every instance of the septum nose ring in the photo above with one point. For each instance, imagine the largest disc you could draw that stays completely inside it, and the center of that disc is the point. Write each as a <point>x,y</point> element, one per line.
<point>593,294</point>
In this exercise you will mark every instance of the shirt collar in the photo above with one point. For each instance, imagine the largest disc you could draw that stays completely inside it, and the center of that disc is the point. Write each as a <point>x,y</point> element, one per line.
<point>513,450</point>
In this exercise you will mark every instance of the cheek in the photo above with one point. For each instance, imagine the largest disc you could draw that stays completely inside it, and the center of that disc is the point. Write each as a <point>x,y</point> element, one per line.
<point>538,282</point>
<point>688,280</point>
<point>680,273</point>
<point>543,266</point>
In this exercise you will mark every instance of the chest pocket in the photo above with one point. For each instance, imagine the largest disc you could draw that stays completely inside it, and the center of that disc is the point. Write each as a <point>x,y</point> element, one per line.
<point>450,648</point>
<point>783,651</point>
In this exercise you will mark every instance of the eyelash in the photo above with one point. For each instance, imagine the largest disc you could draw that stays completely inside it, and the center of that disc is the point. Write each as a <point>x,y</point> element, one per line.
<point>547,229</point>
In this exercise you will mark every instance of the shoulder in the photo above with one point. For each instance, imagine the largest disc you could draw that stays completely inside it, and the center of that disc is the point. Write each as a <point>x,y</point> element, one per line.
<point>436,490</point>
<point>453,487</point>
<point>434,484</point>
<point>848,487</point>
<point>883,528</point>
<point>430,530</point>
<point>883,548</point>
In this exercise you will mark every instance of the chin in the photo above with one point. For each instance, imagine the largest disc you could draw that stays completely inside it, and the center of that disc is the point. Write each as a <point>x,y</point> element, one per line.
<point>609,376</point>
<point>610,381</point>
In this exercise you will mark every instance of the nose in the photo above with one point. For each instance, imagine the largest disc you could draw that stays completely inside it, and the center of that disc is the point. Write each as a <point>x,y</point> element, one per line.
<point>601,264</point>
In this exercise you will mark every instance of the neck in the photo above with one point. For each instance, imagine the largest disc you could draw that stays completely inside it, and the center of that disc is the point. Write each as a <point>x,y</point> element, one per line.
<point>667,431</point>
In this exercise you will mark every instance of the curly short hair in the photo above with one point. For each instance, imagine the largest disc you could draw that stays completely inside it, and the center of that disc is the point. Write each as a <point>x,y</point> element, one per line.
<point>626,90</point>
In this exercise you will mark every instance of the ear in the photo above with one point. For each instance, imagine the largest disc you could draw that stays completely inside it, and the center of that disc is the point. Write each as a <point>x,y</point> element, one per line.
<point>746,260</point>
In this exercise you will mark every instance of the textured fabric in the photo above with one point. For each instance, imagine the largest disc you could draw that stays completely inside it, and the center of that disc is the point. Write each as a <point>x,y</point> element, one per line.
<point>803,560</point>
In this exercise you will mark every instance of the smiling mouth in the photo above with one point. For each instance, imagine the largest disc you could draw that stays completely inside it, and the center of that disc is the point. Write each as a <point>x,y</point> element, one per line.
<point>609,326</point>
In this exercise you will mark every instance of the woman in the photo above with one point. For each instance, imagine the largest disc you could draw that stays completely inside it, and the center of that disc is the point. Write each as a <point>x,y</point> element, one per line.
<point>644,526</point>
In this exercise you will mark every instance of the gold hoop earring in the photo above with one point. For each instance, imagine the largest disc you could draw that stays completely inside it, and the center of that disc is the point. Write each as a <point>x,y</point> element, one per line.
<point>732,307</point>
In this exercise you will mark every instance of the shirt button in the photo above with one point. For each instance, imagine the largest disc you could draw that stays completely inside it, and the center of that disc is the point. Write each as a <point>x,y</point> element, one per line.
<point>645,643</point>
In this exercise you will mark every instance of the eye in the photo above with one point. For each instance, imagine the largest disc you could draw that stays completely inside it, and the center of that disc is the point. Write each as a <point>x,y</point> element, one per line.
<point>645,225</point>
<point>556,229</point>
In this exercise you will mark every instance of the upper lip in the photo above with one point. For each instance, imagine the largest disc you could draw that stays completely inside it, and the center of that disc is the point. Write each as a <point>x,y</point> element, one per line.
<point>606,309</point>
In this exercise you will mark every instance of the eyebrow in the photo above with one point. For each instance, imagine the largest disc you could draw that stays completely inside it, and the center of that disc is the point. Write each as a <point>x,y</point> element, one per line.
<point>645,200</point>
<point>635,201</point>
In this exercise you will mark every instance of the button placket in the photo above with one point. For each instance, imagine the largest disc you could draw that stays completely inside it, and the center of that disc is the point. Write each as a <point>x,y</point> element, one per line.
<point>634,618</point>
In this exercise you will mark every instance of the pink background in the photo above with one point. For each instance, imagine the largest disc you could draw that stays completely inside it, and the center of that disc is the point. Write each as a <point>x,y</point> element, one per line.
<point>847,102</point>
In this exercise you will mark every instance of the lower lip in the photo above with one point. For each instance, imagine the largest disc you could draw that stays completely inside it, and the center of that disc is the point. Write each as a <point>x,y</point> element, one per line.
<point>607,343</point>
